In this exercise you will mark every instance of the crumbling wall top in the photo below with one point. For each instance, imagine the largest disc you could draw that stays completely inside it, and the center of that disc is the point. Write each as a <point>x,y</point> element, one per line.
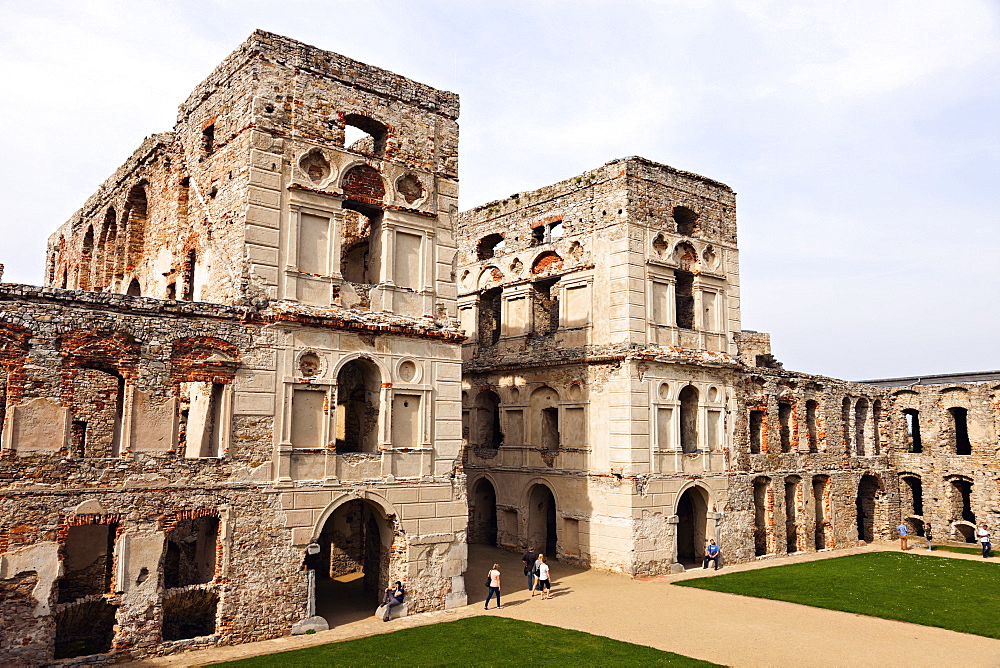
<point>293,54</point>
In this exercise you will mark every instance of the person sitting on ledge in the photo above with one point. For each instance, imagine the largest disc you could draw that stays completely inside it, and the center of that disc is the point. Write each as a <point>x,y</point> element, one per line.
<point>712,552</point>
<point>393,596</point>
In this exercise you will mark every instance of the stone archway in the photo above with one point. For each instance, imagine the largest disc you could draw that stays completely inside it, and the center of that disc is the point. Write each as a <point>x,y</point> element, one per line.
<point>483,513</point>
<point>352,566</point>
<point>542,531</point>
<point>692,524</point>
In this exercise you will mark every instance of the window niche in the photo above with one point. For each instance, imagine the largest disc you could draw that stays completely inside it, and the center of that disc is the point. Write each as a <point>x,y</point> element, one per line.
<point>684,298</point>
<point>688,398</point>
<point>912,418</point>
<point>202,419</point>
<point>358,398</point>
<point>545,306</point>
<point>88,561</point>
<point>960,425</point>
<point>191,550</point>
<point>360,249</point>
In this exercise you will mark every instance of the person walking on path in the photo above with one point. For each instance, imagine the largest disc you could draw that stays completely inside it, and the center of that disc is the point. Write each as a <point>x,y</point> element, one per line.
<point>529,559</point>
<point>711,554</point>
<point>984,539</point>
<point>544,583</point>
<point>927,535</point>
<point>493,582</point>
<point>902,536</point>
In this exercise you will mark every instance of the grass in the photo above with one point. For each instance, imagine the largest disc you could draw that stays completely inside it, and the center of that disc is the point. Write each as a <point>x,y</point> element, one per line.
<point>948,593</point>
<point>476,641</point>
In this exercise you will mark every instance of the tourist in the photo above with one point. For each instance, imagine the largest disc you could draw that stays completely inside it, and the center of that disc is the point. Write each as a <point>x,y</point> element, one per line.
<point>927,535</point>
<point>544,584</point>
<point>711,554</point>
<point>984,538</point>
<point>529,559</point>
<point>392,597</point>
<point>493,582</point>
<point>902,536</point>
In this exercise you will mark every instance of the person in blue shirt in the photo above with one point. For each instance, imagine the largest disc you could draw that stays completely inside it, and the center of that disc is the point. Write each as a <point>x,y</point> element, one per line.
<point>711,554</point>
<point>392,597</point>
<point>901,529</point>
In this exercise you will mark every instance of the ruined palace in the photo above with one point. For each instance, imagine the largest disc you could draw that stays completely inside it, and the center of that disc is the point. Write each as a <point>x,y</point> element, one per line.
<point>273,368</point>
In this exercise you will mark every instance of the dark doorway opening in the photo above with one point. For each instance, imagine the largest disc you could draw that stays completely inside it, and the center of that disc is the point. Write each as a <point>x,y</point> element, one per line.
<point>352,565</point>
<point>542,520</point>
<point>692,525</point>
<point>483,514</point>
<point>865,504</point>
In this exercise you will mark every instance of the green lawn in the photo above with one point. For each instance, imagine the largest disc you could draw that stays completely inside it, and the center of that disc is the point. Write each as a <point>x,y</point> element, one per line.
<point>950,593</point>
<point>476,641</point>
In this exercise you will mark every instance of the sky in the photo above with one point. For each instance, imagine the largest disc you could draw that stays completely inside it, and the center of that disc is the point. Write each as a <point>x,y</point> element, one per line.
<point>862,137</point>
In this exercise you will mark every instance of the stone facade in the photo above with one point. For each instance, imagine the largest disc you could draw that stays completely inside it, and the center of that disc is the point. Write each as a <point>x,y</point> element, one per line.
<point>240,389</point>
<point>272,359</point>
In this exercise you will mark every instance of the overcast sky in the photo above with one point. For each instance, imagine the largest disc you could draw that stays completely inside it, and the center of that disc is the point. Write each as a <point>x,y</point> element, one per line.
<point>861,137</point>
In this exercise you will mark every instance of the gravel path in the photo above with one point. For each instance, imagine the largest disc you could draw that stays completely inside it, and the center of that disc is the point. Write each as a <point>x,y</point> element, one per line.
<point>723,628</point>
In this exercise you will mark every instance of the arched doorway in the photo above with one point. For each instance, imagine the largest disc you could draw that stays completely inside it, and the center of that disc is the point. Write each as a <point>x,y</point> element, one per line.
<point>865,503</point>
<point>352,564</point>
<point>542,520</point>
<point>483,513</point>
<point>692,524</point>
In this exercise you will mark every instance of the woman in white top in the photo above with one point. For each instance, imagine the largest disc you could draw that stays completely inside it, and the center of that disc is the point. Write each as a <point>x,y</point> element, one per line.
<point>544,584</point>
<point>493,580</point>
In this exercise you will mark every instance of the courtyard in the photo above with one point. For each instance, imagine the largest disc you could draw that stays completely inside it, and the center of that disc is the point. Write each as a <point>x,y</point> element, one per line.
<point>713,626</point>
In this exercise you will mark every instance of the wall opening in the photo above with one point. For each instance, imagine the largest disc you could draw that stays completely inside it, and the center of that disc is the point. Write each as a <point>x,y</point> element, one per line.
<point>483,514</point>
<point>756,430</point>
<point>763,516</point>
<point>845,420</point>
<point>692,525</point>
<point>191,552</point>
<point>876,427</point>
<point>545,306</point>
<point>208,139</point>
<point>687,221</point>
<point>353,563</point>
<point>190,614</point>
<point>542,532</point>
<point>85,629</point>
<point>358,397</point>
<point>489,245</point>
<point>98,407</point>
<point>865,506</point>
<point>364,135</point>
<point>912,417</point>
<point>360,255</point>
<point>784,425</point>
<point>689,419</point>
<point>136,215</point>
<point>913,499</point>
<point>187,287</point>
<point>812,408</point>
<point>684,298</point>
<point>546,233</point>
<point>959,497</point>
<point>793,512</point>
<point>88,560</point>
<point>134,289</point>
<point>489,434</point>
<point>490,307</point>
<point>823,530</point>
<point>860,421</point>
<point>86,258</point>
<point>959,419</point>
